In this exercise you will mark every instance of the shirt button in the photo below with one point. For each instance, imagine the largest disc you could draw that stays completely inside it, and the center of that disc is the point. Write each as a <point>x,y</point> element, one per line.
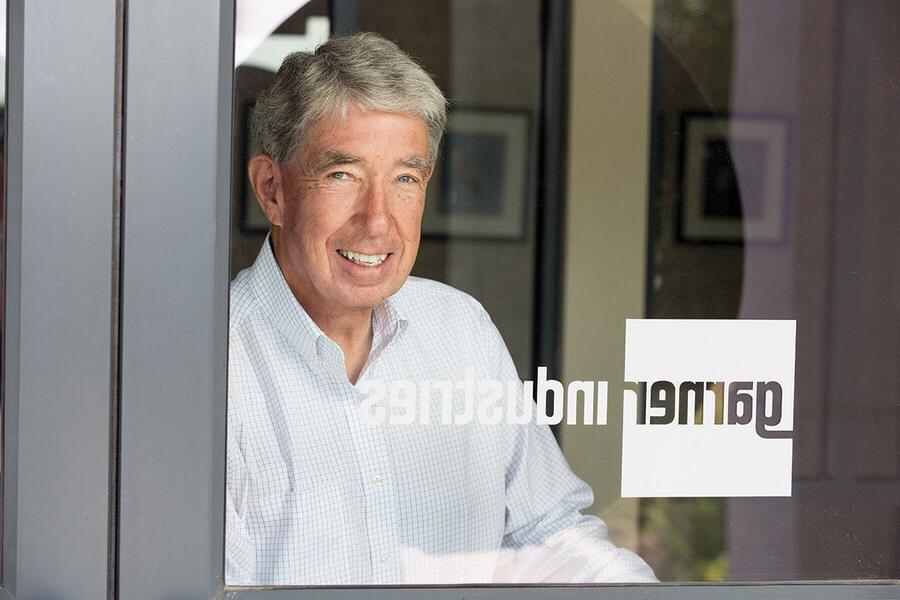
<point>386,559</point>
<point>311,364</point>
<point>359,397</point>
<point>377,480</point>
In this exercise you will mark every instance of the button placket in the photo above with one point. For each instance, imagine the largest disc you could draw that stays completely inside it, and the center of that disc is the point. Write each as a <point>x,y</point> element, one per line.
<point>370,446</point>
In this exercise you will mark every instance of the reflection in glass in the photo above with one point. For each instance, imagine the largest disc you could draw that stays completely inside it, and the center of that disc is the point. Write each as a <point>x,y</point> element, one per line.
<point>315,495</point>
<point>775,128</point>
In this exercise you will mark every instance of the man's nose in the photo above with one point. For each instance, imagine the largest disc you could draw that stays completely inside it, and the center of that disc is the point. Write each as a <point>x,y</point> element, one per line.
<point>375,207</point>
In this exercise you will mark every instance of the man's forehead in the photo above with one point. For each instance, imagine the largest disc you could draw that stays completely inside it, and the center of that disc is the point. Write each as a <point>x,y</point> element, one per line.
<point>355,118</point>
<point>324,158</point>
<point>343,137</point>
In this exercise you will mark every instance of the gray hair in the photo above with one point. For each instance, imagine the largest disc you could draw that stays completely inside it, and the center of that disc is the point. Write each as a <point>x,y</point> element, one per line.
<point>363,69</point>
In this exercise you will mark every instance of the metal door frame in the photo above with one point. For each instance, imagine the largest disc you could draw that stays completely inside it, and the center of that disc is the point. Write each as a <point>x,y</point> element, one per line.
<point>114,390</point>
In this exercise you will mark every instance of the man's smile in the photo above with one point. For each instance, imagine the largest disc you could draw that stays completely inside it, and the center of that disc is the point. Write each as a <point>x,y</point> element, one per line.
<point>366,260</point>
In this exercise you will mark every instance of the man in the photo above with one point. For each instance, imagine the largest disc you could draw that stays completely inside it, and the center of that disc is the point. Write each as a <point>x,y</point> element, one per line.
<point>343,145</point>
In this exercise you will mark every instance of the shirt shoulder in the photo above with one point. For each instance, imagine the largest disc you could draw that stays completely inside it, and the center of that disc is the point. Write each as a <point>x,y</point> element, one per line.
<point>424,298</point>
<point>243,300</point>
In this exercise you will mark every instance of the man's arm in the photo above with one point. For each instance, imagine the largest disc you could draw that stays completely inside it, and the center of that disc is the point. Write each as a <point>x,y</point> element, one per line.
<point>240,551</point>
<point>240,557</point>
<point>547,539</point>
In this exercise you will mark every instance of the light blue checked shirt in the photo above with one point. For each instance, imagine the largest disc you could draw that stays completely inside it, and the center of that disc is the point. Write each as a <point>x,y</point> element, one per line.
<point>318,496</point>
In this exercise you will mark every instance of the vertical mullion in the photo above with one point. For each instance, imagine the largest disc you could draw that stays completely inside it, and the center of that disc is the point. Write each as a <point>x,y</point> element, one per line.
<point>115,374</point>
<point>551,189</point>
<point>57,392</point>
<point>12,253</point>
<point>176,200</point>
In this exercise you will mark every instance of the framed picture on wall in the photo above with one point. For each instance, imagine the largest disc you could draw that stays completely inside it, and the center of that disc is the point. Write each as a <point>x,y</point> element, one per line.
<point>480,186</point>
<point>733,178</point>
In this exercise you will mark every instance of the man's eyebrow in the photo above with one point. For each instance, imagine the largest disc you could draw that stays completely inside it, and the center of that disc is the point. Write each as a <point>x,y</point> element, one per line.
<point>330,159</point>
<point>419,163</point>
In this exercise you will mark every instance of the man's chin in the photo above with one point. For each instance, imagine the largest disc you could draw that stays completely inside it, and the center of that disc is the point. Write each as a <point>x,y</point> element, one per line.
<point>368,297</point>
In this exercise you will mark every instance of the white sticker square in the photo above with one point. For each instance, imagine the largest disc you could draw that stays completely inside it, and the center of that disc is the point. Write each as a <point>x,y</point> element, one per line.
<point>737,440</point>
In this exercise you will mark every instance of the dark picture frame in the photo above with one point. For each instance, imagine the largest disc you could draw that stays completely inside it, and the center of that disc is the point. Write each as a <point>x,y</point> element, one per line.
<point>480,187</point>
<point>733,178</point>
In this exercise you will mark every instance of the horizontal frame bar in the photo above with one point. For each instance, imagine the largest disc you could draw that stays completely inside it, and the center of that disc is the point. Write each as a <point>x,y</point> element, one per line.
<point>817,591</point>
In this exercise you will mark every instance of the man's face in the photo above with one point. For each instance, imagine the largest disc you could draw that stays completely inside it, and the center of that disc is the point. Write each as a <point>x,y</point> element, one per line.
<point>352,210</point>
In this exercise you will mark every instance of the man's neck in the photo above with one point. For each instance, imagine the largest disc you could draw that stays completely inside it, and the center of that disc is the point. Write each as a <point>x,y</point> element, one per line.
<point>351,329</point>
<point>353,333</point>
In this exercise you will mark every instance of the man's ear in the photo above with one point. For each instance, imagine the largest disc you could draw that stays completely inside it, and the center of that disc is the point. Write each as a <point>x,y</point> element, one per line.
<point>265,177</point>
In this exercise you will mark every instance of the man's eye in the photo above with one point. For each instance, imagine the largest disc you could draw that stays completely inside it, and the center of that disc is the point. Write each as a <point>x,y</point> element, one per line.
<point>339,175</point>
<point>406,179</point>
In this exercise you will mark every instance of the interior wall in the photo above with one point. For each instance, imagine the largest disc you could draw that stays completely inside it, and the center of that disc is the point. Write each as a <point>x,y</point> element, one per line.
<point>499,273</point>
<point>606,229</point>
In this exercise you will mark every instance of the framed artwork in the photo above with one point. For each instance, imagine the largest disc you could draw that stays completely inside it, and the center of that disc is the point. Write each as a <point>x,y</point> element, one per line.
<point>733,179</point>
<point>480,186</point>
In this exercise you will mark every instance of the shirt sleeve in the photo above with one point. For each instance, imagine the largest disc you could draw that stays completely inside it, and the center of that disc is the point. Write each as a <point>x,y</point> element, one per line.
<point>547,539</point>
<point>240,551</point>
<point>240,556</point>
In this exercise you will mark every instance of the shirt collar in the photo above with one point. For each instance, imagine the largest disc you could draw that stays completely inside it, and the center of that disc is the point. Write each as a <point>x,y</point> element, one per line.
<point>294,322</point>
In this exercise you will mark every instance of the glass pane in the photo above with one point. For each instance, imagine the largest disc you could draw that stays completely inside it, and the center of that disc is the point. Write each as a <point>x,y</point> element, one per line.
<point>805,237</point>
<point>725,160</point>
<point>481,202</point>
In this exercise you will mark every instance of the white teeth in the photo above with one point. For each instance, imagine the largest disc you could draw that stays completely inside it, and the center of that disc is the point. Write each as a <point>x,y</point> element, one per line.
<point>369,260</point>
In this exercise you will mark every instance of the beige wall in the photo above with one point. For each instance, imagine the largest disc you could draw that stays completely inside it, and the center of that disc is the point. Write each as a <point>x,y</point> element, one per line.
<point>606,220</point>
